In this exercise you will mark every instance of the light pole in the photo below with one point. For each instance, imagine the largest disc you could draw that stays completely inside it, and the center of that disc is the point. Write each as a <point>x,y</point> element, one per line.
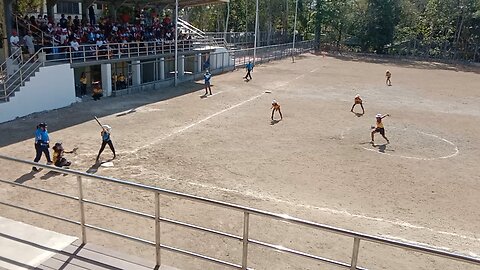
<point>256,34</point>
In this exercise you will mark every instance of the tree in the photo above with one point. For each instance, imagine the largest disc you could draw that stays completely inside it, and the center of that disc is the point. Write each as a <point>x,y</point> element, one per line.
<point>379,24</point>
<point>27,6</point>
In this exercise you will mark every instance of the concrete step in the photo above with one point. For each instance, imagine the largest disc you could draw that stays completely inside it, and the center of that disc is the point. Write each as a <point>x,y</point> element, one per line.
<point>23,247</point>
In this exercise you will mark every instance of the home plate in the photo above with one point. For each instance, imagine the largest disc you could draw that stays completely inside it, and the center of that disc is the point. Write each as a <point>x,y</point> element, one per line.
<point>107,164</point>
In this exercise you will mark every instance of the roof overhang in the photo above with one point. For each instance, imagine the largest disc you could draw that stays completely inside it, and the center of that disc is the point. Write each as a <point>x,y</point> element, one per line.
<point>160,3</point>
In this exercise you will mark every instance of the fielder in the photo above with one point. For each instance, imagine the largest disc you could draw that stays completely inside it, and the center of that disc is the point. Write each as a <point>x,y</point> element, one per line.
<point>358,100</point>
<point>379,128</point>
<point>276,107</point>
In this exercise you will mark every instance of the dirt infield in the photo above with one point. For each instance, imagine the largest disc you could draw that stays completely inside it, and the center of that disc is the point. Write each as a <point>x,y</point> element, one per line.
<point>316,164</point>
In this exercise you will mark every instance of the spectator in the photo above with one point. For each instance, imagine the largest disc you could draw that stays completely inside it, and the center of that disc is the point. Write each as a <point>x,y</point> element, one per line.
<point>63,22</point>
<point>14,42</point>
<point>76,22</point>
<point>91,15</point>
<point>75,48</point>
<point>83,84</point>
<point>28,39</point>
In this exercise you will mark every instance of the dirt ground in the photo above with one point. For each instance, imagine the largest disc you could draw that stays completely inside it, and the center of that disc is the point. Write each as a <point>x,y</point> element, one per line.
<point>315,164</point>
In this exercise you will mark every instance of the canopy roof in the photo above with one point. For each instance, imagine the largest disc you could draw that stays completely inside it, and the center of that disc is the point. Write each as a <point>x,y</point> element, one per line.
<point>159,3</point>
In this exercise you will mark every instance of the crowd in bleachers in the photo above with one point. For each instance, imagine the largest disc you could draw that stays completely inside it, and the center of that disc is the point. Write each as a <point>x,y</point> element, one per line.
<point>73,32</point>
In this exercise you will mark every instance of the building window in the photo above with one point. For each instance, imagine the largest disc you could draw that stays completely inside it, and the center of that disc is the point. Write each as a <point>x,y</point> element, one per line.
<point>99,6</point>
<point>68,8</point>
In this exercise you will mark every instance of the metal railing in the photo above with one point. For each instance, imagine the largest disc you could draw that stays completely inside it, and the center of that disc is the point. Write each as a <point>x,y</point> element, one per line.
<point>190,28</point>
<point>244,238</point>
<point>36,32</point>
<point>87,53</point>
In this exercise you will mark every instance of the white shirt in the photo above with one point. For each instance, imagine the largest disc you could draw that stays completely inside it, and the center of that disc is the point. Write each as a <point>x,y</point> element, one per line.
<point>14,41</point>
<point>75,45</point>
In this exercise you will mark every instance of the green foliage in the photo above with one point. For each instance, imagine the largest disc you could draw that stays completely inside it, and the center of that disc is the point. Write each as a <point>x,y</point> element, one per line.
<point>27,6</point>
<point>435,28</point>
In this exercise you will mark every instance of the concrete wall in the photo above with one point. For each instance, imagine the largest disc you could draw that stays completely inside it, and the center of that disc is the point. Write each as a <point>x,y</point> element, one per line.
<point>51,88</point>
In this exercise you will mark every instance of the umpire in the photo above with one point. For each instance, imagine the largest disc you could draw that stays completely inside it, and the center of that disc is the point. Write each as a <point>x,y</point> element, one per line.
<point>42,141</point>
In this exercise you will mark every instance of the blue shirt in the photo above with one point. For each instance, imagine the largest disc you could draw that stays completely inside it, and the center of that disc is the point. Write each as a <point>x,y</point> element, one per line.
<point>105,136</point>
<point>41,136</point>
<point>207,78</point>
<point>249,66</point>
<point>38,135</point>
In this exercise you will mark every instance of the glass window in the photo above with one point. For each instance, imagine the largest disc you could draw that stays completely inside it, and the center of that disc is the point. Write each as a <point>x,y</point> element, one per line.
<point>68,8</point>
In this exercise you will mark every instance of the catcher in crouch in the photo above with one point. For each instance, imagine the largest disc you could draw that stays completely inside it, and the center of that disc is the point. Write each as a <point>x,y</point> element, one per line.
<point>276,107</point>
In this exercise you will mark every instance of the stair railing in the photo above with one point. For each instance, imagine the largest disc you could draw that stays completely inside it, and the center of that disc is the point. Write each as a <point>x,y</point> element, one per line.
<point>30,26</point>
<point>18,78</point>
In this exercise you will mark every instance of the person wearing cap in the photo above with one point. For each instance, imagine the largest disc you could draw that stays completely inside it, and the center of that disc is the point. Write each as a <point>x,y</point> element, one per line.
<point>388,74</point>
<point>379,128</point>
<point>276,107</point>
<point>358,100</point>
<point>58,152</point>
<point>249,68</point>
<point>106,130</point>
<point>207,76</point>
<point>42,141</point>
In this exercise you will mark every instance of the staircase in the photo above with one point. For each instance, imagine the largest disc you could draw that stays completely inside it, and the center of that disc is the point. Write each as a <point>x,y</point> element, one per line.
<point>15,72</point>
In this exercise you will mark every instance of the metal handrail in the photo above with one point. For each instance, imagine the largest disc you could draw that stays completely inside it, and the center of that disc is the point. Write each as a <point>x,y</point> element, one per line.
<point>29,25</point>
<point>191,28</point>
<point>247,211</point>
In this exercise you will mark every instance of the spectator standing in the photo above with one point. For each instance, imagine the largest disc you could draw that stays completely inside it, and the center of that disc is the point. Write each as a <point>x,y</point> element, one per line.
<point>83,84</point>
<point>91,15</point>
<point>14,41</point>
<point>63,22</point>
<point>28,40</point>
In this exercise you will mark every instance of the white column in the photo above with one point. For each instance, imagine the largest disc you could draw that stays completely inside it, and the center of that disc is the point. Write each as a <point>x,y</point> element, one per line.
<point>106,79</point>
<point>256,34</point>
<point>162,68</point>
<point>198,66</point>
<point>181,66</point>
<point>176,42</point>
<point>136,73</point>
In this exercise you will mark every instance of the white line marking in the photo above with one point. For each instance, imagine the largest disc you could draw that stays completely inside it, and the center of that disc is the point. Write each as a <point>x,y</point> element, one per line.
<point>193,124</point>
<point>267,197</point>
<point>313,70</point>
<point>299,77</point>
<point>456,152</point>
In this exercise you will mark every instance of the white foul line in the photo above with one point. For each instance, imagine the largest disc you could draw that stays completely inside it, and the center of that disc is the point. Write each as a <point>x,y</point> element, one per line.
<point>267,197</point>
<point>194,124</point>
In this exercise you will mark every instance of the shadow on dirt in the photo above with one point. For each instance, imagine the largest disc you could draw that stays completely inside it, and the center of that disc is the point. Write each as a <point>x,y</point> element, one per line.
<point>78,113</point>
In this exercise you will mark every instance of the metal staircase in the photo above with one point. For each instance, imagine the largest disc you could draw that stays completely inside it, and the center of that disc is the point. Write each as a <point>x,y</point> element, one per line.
<point>15,72</point>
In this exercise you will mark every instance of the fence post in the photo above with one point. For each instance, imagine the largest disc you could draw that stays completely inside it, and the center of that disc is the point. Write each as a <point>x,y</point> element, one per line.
<point>157,228</point>
<point>246,217</point>
<point>356,248</point>
<point>82,209</point>
<point>70,53</point>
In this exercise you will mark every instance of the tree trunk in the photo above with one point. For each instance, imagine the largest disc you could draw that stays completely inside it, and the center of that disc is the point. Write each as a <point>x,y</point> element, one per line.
<point>318,23</point>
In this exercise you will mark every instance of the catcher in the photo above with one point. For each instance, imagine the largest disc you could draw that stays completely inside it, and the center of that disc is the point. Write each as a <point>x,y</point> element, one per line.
<point>58,152</point>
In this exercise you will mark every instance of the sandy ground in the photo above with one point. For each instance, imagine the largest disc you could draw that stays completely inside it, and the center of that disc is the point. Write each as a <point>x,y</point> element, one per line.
<point>316,164</point>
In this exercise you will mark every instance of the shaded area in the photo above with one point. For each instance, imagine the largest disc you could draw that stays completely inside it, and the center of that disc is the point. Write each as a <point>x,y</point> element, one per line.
<point>78,113</point>
<point>407,62</point>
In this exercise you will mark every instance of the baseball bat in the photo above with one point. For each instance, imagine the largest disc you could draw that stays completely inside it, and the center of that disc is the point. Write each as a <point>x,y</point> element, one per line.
<point>98,122</point>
